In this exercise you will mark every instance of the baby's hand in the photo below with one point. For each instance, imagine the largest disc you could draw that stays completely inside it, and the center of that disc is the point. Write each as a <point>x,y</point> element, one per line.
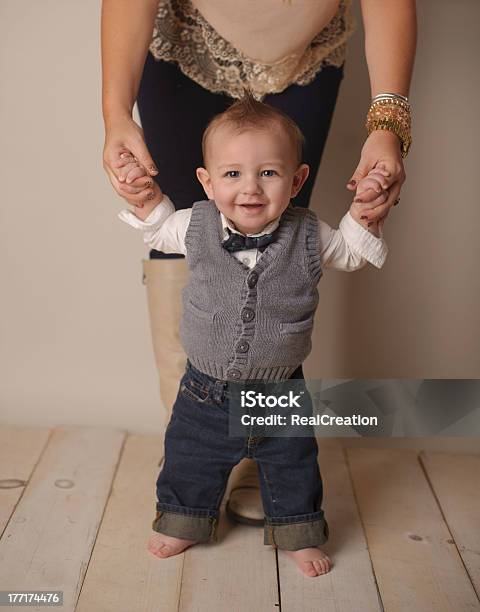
<point>371,192</point>
<point>135,179</point>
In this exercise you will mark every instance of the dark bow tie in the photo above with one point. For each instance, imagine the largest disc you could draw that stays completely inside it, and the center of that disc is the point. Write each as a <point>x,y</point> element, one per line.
<point>238,242</point>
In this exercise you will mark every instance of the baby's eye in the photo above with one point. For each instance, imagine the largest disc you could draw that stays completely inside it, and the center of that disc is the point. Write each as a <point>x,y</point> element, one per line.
<point>232,173</point>
<point>268,172</point>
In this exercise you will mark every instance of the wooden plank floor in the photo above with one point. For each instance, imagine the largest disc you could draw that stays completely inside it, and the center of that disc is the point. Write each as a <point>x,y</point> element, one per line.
<point>76,506</point>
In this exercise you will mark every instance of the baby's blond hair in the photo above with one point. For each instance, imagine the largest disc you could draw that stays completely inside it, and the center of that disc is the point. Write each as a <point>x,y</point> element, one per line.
<point>249,113</point>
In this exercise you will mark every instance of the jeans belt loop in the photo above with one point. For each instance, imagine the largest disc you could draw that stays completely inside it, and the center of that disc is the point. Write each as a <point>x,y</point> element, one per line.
<point>218,391</point>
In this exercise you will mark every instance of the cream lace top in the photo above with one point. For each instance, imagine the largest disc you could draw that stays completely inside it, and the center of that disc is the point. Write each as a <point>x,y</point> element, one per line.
<point>292,51</point>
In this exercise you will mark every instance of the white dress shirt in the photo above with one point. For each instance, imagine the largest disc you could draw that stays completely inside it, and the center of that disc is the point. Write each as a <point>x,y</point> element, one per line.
<point>347,248</point>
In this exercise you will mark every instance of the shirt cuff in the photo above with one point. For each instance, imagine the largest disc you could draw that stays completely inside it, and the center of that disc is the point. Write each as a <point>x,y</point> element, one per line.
<point>155,219</point>
<point>371,248</point>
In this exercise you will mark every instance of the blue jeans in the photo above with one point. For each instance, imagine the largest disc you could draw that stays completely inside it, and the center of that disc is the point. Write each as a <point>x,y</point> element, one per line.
<point>199,456</point>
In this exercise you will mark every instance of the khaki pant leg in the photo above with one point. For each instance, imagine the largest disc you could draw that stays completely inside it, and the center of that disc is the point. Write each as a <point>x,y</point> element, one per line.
<point>165,279</point>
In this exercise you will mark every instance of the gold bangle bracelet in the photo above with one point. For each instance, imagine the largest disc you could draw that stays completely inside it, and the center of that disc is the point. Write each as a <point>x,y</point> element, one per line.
<point>405,138</point>
<point>392,115</point>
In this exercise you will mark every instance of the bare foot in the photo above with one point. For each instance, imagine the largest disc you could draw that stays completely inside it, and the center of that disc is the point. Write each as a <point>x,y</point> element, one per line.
<point>166,546</point>
<point>311,561</point>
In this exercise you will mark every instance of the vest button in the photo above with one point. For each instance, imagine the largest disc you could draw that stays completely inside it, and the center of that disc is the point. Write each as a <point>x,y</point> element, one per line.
<point>242,346</point>
<point>252,279</point>
<point>234,373</point>
<point>247,314</point>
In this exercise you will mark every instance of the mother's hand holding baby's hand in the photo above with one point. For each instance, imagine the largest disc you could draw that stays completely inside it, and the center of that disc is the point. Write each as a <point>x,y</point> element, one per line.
<point>124,137</point>
<point>130,172</point>
<point>371,198</point>
<point>381,151</point>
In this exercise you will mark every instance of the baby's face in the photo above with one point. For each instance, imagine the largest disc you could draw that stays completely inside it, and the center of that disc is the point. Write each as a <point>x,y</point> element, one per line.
<point>251,176</point>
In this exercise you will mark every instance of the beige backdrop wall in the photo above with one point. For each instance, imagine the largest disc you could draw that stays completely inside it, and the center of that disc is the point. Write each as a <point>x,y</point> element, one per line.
<point>75,342</point>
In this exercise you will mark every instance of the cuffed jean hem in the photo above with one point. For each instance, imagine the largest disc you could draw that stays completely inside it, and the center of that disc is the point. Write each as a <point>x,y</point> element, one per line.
<point>296,532</point>
<point>188,524</point>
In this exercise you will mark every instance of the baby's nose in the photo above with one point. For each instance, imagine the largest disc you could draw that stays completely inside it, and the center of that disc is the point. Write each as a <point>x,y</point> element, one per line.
<point>251,185</point>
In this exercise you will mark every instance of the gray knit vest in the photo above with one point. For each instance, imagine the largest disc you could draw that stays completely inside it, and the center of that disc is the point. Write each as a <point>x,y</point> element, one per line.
<point>242,324</point>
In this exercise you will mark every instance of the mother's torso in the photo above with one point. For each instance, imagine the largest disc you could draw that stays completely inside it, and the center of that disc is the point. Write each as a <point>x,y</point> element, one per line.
<point>267,31</point>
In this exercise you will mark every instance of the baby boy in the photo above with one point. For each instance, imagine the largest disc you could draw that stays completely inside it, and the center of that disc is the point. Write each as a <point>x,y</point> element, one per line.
<point>255,261</point>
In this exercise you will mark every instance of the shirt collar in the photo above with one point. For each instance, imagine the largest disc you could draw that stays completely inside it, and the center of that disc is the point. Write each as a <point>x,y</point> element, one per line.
<point>268,229</point>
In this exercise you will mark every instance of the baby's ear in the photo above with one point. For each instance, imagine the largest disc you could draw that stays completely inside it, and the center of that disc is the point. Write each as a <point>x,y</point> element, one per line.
<point>204,177</point>
<point>299,178</point>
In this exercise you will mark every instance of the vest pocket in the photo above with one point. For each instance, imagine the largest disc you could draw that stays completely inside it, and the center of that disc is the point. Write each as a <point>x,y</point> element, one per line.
<point>194,309</point>
<point>297,326</point>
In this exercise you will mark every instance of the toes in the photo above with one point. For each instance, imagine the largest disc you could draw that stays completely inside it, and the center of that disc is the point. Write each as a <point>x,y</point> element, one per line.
<point>312,567</point>
<point>318,565</point>
<point>155,552</point>
<point>157,547</point>
<point>311,570</point>
<point>325,565</point>
<point>164,551</point>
